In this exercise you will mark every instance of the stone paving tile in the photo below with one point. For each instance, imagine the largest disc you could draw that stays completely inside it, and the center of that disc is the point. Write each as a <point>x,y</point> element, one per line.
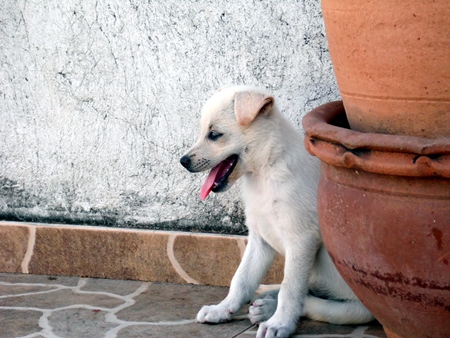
<point>17,323</point>
<point>226,330</point>
<point>171,302</point>
<point>119,287</point>
<point>312,329</point>
<point>116,308</point>
<point>79,323</point>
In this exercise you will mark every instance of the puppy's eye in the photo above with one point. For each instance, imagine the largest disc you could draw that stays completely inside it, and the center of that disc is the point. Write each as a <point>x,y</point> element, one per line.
<point>214,135</point>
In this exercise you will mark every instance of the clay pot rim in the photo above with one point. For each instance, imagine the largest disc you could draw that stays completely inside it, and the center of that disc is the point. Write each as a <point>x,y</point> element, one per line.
<point>379,153</point>
<point>317,123</point>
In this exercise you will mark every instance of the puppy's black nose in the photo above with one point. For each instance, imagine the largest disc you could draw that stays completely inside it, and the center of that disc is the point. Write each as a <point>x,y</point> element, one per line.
<point>185,161</point>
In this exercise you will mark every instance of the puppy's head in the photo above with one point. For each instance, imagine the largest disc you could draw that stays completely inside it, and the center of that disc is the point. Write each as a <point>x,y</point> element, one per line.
<point>226,138</point>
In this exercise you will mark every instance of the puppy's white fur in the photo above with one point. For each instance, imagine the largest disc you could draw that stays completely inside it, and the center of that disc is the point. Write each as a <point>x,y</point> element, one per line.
<point>280,196</point>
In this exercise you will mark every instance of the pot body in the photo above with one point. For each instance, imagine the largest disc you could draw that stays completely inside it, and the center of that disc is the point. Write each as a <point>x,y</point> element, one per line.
<point>384,214</point>
<point>389,237</point>
<point>392,64</point>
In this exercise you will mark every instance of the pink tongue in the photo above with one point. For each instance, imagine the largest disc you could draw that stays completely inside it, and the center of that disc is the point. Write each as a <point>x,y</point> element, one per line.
<point>208,185</point>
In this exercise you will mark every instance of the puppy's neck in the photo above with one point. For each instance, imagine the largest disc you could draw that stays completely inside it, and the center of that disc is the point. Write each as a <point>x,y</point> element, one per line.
<point>275,146</point>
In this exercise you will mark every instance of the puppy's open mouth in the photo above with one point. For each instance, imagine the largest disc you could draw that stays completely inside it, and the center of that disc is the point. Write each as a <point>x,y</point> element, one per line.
<point>217,178</point>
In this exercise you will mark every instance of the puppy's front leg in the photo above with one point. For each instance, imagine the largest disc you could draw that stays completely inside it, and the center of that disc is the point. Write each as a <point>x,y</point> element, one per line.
<point>298,264</point>
<point>257,258</point>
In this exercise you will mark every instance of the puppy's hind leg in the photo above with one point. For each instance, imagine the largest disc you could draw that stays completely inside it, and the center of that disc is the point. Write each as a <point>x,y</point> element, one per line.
<point>257,258</point>
<point>336,311</point>
<point>263,307</point>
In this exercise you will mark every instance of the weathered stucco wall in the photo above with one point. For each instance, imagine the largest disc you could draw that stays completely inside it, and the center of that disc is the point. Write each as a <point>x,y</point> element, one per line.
<point>98,100</point>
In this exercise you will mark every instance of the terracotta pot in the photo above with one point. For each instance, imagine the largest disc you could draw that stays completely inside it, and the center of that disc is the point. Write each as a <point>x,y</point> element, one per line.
<point>392,64</point>
<point>384,213</point>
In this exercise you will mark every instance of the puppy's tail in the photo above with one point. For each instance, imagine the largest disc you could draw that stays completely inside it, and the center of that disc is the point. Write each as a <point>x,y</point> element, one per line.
<point>336,311</point>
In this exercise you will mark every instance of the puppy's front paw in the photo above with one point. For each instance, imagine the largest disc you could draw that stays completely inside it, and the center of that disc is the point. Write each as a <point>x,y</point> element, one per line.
<point>274,328</point>
<point>262,309</point>
<point>214,314</point>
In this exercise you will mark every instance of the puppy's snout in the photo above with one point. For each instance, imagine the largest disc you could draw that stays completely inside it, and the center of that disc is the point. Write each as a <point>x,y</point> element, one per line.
<point>185,161</point>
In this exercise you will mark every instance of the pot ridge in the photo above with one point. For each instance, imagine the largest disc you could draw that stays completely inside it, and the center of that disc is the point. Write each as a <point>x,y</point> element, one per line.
<point>328,138</point>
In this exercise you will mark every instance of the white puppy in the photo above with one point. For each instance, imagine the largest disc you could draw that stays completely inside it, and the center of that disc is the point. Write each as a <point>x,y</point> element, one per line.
<point>244,135</point>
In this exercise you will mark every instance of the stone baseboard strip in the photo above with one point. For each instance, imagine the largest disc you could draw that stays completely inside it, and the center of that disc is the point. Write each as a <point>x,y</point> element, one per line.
<point>146,255</point>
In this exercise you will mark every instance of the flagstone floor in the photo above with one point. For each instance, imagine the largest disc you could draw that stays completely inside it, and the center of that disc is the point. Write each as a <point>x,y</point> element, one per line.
<point>37,306</point>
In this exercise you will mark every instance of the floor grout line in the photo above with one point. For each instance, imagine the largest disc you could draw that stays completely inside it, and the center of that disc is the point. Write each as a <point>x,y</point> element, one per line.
<point>30,249</point>
<point>244,330</point>
<point>175,264</point>
<point>241,245</point>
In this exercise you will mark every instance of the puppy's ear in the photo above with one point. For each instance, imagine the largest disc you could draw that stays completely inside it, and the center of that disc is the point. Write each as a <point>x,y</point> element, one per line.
<point>248,105</point>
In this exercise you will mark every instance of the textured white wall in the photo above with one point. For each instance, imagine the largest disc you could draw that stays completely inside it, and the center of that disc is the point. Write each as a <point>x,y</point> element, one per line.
<point>98,100</point>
